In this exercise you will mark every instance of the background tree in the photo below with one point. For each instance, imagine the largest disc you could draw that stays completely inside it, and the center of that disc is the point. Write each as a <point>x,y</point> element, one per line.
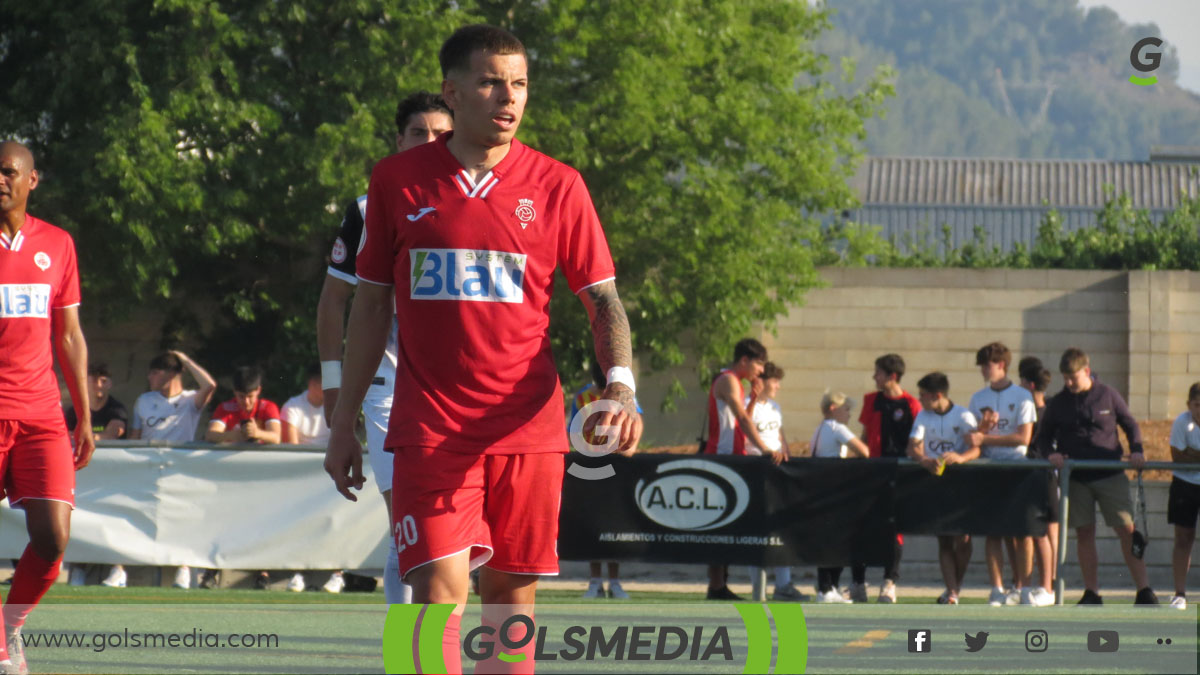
<point>201,151</point>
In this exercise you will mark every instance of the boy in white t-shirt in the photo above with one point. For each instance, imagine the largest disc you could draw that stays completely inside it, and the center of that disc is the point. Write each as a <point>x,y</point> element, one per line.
<point>304,414</point>
<point>942,436</point>
<point>1183,499</point>
<point>1006,413</point>
<point>768,420</point>
<point>834,439</point>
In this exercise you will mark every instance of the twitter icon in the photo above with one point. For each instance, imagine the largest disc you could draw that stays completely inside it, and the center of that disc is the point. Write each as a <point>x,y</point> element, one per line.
<point>976,642</point>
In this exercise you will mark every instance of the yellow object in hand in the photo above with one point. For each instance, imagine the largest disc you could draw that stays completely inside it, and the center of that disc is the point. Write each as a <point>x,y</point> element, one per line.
<point>941,466</point>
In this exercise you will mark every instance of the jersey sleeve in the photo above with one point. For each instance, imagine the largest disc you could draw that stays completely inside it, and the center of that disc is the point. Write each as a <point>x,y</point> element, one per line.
<point>68,287</point>
<point>344,254</point>
<point>918,429</point>
<point>1178,432</point>
<point>224,415</point>
<point>583,253</point>
<point>1028,412</point>
<point>135,422</point>
<point>270,411</point>
<point>376,258</point>
<point>843,434</point>
<point>969,421</point>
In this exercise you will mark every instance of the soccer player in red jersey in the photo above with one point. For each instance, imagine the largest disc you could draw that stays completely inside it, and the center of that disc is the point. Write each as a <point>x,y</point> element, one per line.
<point>39,319</point>
<point>466,233</point>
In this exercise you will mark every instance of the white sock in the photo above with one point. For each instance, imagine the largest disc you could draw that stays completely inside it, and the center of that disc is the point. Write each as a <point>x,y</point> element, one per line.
<point>783,577</point>
<point>395,591</point>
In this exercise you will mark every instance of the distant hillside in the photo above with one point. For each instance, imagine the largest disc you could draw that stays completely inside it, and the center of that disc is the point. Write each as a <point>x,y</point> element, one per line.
<point>1023,78</point>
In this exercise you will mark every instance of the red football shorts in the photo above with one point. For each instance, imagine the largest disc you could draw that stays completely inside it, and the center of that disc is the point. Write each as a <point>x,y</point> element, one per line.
<point>36,461</point>
<point>502,508</point>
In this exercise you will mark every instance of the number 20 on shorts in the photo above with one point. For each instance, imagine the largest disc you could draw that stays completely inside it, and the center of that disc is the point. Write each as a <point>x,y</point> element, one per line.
<point>406,533</point>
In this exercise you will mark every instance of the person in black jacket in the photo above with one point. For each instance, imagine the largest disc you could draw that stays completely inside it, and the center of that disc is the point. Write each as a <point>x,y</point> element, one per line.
<point>1083,421</point>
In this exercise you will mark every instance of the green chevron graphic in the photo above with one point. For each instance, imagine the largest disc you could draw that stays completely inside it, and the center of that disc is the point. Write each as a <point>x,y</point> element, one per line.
<point>791,635</point>
<point>1143,81</point>
<point>404,647</point>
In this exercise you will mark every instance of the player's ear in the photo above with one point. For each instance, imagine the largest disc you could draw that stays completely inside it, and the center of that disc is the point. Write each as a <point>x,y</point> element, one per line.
<point>33,179</point>
<point>450,92</point>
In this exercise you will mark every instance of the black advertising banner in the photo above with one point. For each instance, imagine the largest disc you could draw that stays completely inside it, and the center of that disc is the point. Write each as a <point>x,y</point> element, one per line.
<point>973,499</point>
<point>745,510</point>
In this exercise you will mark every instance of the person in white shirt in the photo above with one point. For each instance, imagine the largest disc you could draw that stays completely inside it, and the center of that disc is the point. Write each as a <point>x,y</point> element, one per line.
<point>1183,499</point>
<point>1006,414</point>
<point>942,436</point>
<point>304,414</point>
<point>768,420</point>
<point>168,412</point>
<point>833,439</point>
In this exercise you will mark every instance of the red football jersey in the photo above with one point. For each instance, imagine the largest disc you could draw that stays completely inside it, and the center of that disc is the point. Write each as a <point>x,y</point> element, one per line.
<point>38,274</point>
<point>231,414</point>
<point>473,268</point>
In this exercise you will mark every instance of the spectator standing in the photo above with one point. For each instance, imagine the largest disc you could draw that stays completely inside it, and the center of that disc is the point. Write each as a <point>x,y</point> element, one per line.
<point>110,421</point>
<point>730,428</point>
<point>942,436</point>
<point>834,439</point>
<point>1035,377</point>
<point>768,420</point>
<point>169,413</point>
<point>1183,497</point>
<point>887,418</point>
<point>1081,423</point>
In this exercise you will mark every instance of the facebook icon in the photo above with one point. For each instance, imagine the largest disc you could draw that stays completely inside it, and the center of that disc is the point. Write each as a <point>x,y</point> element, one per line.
<point>920,641</point>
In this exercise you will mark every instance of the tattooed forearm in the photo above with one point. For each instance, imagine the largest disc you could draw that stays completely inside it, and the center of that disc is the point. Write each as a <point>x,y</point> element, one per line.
<point>610,326</point>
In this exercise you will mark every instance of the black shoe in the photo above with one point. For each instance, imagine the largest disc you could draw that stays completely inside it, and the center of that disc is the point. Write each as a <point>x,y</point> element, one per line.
<point>1145,596</point>
<point>208,580</point>
<point>722,593</point>
<point>262,581</point>
<point>1092,598</point>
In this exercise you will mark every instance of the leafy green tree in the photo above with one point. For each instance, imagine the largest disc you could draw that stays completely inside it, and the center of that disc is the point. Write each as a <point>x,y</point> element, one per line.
<point>202,151</point>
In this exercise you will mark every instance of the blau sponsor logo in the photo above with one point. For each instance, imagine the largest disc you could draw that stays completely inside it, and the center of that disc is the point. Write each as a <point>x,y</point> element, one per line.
<point>467,275</point>
<point>24,300</point>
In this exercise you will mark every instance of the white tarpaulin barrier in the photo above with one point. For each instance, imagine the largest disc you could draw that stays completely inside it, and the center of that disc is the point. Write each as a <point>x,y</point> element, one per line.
<point>215,508</point>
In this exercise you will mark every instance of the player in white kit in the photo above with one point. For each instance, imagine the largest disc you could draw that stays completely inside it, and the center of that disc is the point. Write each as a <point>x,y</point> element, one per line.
<point>420,118</point>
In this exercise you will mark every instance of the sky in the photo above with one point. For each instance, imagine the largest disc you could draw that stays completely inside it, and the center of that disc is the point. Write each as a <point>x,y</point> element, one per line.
<point>1179,21</point>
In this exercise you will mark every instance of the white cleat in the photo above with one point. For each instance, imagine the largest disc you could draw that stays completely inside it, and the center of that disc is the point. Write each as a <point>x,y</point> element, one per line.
<point>833,596</point>
<point>183,577</point>
<point>116,577</point>
<point>996,597</point>
<point>78,576</point>
<point>335,584</point>
<point>1179,602</point>
<point>296,584</point>
<point>887,594</point>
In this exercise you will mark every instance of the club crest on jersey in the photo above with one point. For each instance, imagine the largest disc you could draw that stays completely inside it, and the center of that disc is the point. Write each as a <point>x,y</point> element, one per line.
<point>30,301</point>
<point>338,254</point>
<point>467,275</point>
<point>525,212</point>
<point>41,260</point>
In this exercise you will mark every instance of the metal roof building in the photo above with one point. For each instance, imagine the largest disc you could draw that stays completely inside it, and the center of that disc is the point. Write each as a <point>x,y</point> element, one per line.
<point>916,196</point>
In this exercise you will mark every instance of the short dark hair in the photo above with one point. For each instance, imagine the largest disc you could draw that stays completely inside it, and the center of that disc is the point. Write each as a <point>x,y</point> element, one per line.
<point>935,383</point>
<point>1194,392</point>
<point>312,372</point>
<point>167,361</point>
<point>994,352</point>
<point>892,364</point>
<point>749,347</point>
<point>456,51</point>
<point>1031,369</point>
<point>1073,360</point>
<point>99,370</point>
<point>247,378</point>
<point>415,104</point>
<point>772,371</point>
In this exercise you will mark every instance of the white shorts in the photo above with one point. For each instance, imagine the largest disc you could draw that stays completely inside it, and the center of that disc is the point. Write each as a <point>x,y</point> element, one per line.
<point>375,413</point>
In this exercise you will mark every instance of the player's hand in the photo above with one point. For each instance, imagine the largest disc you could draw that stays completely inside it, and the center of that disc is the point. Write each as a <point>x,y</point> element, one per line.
<point>975,438</point>
<point>779,457</point>
<point>343,462</point>
<point>331,396</point>
<point>627,419</point>
<point>988,420</point>
<point>1137,460</point>
<point>1056,460</point>
<point>250,430</point>
<point>952,458</point>
<point>85,445</point>
<point>930,464</point>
